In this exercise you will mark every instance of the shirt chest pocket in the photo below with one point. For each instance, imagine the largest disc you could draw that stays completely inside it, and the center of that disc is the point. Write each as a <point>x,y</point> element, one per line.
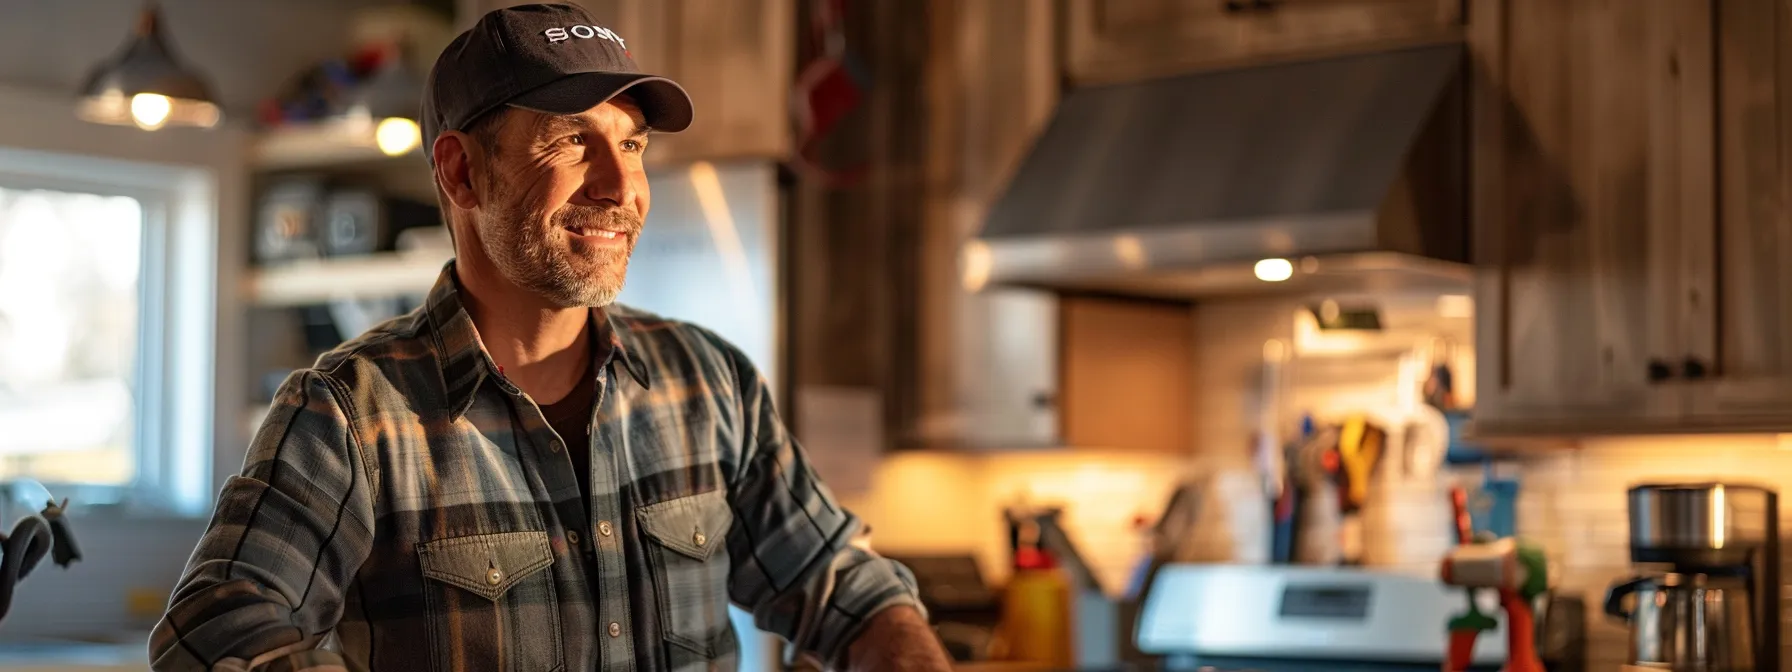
<point>688,536</point>
<point>492,603</point>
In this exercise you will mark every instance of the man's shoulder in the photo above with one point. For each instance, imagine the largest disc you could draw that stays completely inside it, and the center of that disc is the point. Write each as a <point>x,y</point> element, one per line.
<point>386,348</point>
<point>654,328</point>
<point>668,340</point>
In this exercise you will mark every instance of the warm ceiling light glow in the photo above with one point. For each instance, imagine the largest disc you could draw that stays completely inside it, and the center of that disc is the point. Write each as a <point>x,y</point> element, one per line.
<point>1130,251</point>
<point>976,262</point>
<point>1458,306</point>
<point>1274,270</point>
<point>1275,351</point>
<point>150,110</point>
<point>397,136</point>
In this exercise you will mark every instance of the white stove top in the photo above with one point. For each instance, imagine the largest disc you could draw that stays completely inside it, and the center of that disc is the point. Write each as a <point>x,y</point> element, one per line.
<point>1292,619</point>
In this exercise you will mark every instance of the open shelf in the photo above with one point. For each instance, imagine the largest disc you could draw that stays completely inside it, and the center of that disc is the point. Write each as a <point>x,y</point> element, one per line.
<point>328,144</point>
<point>312,281</point>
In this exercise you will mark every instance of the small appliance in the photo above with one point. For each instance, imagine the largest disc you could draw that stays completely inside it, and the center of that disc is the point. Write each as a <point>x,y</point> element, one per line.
<point>1289,618</point>
<point>1707,596</point>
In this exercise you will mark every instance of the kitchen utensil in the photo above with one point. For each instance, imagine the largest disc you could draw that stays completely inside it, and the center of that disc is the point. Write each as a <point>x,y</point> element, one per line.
<point>1317,507</point>
<point>1286,506</point>
<point>1359,447</point>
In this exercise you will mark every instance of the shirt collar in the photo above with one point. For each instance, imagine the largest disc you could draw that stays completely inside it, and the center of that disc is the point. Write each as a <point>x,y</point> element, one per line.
<point>464,360</point>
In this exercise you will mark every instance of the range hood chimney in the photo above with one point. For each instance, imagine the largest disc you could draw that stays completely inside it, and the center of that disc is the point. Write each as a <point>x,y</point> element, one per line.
<point>1346,174</point>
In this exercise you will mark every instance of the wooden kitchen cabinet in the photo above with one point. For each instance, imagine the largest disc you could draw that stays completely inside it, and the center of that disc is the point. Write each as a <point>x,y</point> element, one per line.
<point>1631,189</point>
<point>1119,40</point>
<point>1126,374</point>
<point>1578,178</point>
<point>1747,244</point>
<point>735,58</point>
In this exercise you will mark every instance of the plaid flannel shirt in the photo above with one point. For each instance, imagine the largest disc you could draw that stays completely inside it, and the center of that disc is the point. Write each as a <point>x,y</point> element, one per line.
<point>405,507</point>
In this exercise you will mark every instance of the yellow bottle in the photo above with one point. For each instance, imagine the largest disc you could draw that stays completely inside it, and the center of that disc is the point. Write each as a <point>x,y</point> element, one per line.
<point>1036,609</point>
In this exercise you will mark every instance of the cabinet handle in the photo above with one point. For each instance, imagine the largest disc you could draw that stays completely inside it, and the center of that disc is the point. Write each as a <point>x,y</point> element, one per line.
<point>1692,368</point>
<point>1044,400</point>
<point>1236,5</point>
<point>1659,371</point>
<point>1242,5</point>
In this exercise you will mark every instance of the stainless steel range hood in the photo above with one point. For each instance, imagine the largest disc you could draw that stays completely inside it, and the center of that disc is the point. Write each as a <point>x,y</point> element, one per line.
<point>1351,169</point>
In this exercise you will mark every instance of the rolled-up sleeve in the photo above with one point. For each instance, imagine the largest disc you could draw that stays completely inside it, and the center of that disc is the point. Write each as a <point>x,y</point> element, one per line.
<point>267,579</point>
<point>788,529</point>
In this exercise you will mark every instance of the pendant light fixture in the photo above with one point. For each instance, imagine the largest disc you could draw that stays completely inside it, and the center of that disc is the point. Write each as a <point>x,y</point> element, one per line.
<point>145,85</point>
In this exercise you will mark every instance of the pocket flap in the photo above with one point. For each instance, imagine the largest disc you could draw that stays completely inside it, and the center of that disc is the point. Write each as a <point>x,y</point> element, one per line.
<point>694,525</point>
<point>486,564</point>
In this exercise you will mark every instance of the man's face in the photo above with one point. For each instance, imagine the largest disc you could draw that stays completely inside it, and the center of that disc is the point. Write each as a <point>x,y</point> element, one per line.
<point>562,200</point>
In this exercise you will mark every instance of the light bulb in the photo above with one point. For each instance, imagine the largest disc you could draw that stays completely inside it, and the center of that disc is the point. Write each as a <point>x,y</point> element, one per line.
<point>150,110</point>
<point>1274,270</point>
<point>397,136</point>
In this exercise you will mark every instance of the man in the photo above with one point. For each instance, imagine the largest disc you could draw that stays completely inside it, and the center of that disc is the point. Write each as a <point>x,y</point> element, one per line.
<point>521,475</point>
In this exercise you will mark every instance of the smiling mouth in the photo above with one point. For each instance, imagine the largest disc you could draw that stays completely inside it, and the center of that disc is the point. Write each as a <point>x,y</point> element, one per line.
<point>604,234</point>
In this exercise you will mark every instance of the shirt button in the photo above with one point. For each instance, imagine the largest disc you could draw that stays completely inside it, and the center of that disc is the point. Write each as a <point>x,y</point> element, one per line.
<point>700,539</point>
<point>573,537</point>
<point>615,629</point>
<point>494,576</point>
<point>553,446</point>
<point>603,527</point>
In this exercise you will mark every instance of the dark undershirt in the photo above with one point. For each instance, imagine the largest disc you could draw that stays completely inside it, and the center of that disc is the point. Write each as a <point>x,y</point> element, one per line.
<point>571,419</point>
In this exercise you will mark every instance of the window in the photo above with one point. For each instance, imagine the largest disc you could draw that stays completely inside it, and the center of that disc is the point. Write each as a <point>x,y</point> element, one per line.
<point>108,293</point>
<point>71,296</point>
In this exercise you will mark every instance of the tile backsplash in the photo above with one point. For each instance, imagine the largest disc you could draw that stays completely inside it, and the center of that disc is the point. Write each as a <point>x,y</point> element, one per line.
<point>936,502</point>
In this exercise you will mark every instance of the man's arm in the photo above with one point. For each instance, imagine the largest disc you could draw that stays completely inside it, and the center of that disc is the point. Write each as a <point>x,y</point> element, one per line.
<point>267,579</point>
<point>788,529</point>
<point>897,639</point>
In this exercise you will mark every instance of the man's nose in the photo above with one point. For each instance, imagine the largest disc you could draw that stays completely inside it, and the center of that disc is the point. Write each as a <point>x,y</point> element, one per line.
<point>607,178</point>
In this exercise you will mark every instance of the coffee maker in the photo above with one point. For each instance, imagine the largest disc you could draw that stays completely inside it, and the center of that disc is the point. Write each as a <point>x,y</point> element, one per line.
<point>1706,597</point>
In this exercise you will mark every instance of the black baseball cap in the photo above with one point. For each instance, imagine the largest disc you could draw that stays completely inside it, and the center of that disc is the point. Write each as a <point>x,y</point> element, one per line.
<point>552,58</point>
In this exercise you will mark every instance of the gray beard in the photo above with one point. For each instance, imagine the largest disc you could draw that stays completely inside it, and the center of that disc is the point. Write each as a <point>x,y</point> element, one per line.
<point>543,261</point>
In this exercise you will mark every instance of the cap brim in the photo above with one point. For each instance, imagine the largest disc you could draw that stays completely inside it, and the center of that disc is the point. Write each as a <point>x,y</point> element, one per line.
<point>663,102</point>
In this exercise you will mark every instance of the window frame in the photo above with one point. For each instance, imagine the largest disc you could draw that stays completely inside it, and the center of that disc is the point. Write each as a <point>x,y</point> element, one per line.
<point>174,390</point>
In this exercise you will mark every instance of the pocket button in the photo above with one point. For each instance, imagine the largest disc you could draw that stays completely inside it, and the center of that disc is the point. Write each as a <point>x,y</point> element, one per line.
<point>495,576</point>
<point>699,539</point>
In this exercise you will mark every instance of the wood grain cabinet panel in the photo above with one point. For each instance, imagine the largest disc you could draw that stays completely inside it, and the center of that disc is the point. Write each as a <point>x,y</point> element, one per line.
<point>1584,162</point>
<point>1117,40</point>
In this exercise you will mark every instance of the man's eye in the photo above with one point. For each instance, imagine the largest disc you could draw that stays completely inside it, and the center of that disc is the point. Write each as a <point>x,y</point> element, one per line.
<point>633,145</point>
<point>575,139</point>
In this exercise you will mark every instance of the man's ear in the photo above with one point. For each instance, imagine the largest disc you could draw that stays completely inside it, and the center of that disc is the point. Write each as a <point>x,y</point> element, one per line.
<point>454,168</point>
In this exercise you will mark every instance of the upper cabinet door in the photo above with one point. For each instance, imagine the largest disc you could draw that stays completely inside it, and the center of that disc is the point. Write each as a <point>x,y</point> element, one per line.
<point>734,57</point>
<point>1578,189</point>
<point>1748,361</point>
<point>1118,40</point>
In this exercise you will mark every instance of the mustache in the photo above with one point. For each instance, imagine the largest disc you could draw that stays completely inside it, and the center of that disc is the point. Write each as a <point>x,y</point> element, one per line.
<point>598,217</point>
